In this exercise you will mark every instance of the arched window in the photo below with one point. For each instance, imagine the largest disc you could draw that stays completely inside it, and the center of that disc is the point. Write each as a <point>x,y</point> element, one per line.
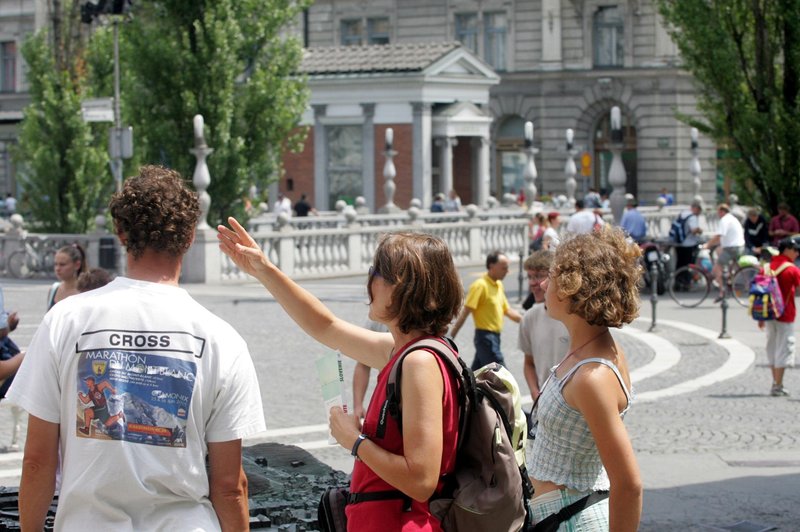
<point>609,37</point>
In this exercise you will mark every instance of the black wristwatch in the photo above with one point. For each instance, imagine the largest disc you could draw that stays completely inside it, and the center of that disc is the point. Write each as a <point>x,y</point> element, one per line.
<point>354,450</point>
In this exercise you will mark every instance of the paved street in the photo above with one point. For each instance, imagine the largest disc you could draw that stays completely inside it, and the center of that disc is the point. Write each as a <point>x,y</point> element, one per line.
<point>715,449</point>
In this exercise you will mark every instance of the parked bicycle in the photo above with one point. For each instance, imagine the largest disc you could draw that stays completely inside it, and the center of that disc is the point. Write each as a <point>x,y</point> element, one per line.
<point>690,285</point>
<point>28,261</point>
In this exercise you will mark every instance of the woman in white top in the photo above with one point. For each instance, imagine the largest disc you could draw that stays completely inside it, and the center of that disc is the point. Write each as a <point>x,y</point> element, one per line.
<point>581,445</point>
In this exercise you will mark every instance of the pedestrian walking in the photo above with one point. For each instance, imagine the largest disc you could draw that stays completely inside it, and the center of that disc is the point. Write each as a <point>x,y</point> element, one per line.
<point>581,450</point>
<point>780,331</point>
<point>414,289</point>
<point>486,302</point>
<point>166,389</point>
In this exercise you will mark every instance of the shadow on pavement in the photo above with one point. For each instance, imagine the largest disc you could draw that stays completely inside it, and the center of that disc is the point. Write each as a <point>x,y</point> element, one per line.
<point>744,504</point>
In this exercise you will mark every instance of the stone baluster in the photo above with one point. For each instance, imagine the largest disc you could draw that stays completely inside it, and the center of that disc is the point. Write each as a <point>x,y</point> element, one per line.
<point>694,167</point>
<point>389,173</point>
<point>530,173</point>
<point>201,178</point>
<point>569,169</point>
<point>616,174</point>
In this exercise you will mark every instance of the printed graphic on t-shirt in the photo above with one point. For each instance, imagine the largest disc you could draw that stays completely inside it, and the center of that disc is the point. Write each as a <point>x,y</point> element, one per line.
<point>136,386</point>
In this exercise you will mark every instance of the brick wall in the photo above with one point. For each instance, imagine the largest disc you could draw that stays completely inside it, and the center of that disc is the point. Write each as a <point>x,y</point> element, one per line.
<point>300,168</point>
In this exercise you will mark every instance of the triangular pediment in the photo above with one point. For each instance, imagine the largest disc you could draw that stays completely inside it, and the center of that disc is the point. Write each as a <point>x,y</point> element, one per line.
<point>460,111</point>
<point>460,62</point>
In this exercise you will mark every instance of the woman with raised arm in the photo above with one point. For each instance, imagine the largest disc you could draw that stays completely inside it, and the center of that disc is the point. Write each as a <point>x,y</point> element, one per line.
<point>581,445</point>
<point>415,290</point>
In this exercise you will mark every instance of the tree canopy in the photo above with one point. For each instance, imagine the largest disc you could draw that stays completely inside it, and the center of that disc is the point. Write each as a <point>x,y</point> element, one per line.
<point>226,60</point>
<point>62,159</point>
<point>745,56</point>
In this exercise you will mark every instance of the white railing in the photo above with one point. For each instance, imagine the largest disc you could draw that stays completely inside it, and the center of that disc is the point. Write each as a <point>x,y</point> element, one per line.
<point>343,244</point>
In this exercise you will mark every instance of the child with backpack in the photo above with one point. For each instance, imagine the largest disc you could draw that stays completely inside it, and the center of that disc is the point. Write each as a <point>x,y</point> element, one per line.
<point>581,460</point>
<point>780,330</point>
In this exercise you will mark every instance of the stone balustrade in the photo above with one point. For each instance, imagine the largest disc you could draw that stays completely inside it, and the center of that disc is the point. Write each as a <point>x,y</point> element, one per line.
<point>342,243</point>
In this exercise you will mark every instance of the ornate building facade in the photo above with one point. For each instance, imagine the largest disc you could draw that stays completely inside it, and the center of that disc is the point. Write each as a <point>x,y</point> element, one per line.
<point>562,64</point>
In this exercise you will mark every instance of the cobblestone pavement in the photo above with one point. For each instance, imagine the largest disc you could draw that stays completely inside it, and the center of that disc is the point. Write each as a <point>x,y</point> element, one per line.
<point>717,454</point>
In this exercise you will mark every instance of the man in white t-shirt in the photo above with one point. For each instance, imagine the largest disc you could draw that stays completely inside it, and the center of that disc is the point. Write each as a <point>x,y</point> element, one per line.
<point>583,220</point>
<point>542,340</point>
<point>730,238</point>
<point>168,383</point>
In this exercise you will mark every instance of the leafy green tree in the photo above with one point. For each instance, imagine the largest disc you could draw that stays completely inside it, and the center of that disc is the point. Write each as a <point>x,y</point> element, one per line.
<point>745,56</point>
<point>62,159</point>
<point>226,60</point>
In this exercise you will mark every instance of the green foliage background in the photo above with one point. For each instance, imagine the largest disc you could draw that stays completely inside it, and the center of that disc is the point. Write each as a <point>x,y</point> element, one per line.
<point>745,56</point>
<point>224,59</point>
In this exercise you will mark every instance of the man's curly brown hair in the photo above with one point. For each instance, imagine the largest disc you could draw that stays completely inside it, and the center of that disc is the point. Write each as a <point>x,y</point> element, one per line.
<point>428,292</point>
<point>156,210</point>
<point>599,273</point>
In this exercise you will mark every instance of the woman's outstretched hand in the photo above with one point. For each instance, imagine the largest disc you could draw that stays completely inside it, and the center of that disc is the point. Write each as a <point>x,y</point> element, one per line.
<point>237,244</point>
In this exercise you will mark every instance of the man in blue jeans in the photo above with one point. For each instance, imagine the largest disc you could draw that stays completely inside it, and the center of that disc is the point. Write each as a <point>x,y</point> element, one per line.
<point>486,301</point>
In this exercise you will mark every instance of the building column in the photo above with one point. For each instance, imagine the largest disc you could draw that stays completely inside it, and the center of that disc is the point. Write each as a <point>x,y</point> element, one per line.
<point>481,150</point>
<point>320,161</point>
<point>421,149</point>
<point>368,154</point>
<point>446,145</point>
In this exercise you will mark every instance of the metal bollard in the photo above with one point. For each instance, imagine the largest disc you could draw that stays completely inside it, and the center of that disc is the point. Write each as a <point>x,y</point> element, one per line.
<point>724,304</point>
<point>653,293</point>
<point>521,276</point>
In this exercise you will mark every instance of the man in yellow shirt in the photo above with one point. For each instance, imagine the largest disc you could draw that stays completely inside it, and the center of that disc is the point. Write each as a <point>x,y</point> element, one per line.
<point>486,301</point>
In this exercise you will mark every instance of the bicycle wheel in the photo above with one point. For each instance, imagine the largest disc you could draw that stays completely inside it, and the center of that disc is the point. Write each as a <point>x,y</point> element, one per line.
<point>19,266</point>
<point>689,286</point>
<point>740,284</point>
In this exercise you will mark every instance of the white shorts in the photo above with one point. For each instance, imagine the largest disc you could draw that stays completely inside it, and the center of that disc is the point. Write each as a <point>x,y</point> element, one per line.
<point>780,344</point>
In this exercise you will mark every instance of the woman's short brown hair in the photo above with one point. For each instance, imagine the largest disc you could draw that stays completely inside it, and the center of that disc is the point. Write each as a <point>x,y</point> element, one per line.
<point>427,292</point>
<point>599,273</point>
<point>156,210</point>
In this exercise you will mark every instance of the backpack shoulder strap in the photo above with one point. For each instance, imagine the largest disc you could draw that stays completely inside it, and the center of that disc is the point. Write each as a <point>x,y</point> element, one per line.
<point>781,268</point>
<point>445,349</point>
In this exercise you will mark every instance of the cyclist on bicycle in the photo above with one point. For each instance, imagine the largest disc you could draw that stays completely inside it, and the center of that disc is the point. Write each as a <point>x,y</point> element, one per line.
<point>730,237</point>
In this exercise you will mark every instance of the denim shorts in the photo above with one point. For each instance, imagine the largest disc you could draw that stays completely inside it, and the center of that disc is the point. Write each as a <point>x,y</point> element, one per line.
<point>593,518</point>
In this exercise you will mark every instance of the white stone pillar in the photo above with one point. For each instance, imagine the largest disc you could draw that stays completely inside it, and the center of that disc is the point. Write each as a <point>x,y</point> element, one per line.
<point>616,174</point>
<point>569,169</point>
<point>389,173</point>
<point>530,174</point>
<point>482,171</point>
<point>421,125</point>
<point>694,166</point>
<point>446,145</point>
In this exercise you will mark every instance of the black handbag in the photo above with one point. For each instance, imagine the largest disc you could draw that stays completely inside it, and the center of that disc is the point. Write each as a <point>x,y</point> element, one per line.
<point>330,513</point>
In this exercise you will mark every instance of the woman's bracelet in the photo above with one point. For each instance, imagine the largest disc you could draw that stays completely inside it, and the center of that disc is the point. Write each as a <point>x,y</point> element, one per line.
<point>356,444</point>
